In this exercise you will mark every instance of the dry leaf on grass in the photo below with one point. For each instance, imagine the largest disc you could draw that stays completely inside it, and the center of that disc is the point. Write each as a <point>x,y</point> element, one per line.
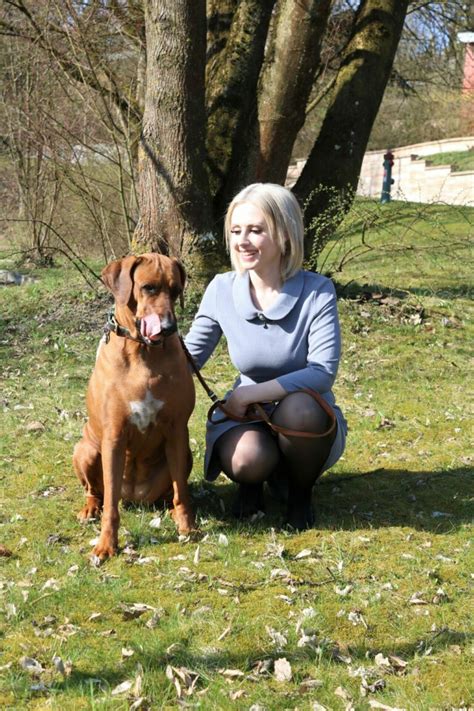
<point>366,688</point>
<point>280,573</point>
<point>11,611</point>
<point>39,686</point>
<point>122,688</point>
<point>282,670</point>
<point>308,640</point>
<point>309,684</point>
<point>274,550</point>
<point>108,633</point>
<point>224,633</point>
<point>184,680</point>
<point>35,426</point>
<point>278,639</point>
<point>262,667</point>
<point>382,661</point>
<point>134,610</point>
<point>416,599</point>
<point>440,596</point>
<point>173,648</point>
<point>356,618</point>
<point>234,695</point>
<point>378,705</point>
<point>231,674</point>
<point>64,668</point>
<point>32,666</point>
<point>155,618</point>
<point>399,666</point>
<point>94,616</point>
<point>223,540</point>
<point>342,693</point>
<point>145,560</point>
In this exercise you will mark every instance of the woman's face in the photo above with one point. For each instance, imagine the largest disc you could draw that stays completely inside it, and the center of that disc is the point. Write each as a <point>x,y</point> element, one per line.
<point>250,241</point>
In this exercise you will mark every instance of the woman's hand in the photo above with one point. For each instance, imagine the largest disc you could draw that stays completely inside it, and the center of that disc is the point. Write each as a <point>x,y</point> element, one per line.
<point>246,395</point>
<point>238,401</point>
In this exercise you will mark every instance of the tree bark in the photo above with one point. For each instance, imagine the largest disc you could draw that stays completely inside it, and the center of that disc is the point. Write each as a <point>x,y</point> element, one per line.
<point>232,97</point>
<point>173,187</point>
<point>329,179</point>
<point>286,83</point>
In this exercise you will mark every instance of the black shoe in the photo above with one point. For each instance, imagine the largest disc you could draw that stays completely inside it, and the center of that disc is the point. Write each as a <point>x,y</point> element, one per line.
<point>300,515</point>
<point>248,500</point>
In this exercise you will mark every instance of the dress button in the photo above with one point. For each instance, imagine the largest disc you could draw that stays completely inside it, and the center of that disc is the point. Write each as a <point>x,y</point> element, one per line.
<point>261,317</point>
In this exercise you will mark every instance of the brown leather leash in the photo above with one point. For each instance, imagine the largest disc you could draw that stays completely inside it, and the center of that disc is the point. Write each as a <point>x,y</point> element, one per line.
<point>256,413</point>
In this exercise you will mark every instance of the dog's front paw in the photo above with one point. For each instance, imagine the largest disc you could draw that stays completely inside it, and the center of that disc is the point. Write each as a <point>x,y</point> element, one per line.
<point>184,520</point>
<point>91,510</point>
<point>105,548</point>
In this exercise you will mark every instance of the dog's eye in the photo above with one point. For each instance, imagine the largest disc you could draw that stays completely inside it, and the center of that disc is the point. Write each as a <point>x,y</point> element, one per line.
<point>150,288</point>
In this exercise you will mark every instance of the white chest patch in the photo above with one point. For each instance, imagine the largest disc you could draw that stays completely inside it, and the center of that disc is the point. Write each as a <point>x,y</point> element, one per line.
<point>144,412</point>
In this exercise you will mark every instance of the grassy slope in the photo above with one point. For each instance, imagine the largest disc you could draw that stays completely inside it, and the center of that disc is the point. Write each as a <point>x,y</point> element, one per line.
<point>388,568</point>
<point>459,160</point>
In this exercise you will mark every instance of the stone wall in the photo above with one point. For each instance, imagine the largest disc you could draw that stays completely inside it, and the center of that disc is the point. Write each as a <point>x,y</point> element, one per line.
<point>414,180</point>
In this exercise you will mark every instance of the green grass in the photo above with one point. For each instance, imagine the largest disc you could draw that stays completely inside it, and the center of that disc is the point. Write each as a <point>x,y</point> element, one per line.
<point>459,160</point>
<point>389,566</point>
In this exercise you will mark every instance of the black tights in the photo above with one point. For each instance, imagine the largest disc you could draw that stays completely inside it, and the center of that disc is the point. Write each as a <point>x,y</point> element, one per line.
<point>249,454</point>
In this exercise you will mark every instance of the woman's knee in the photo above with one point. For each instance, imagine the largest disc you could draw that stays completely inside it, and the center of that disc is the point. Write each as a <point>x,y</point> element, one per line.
<point>299,411</point>
<point>247,457</point>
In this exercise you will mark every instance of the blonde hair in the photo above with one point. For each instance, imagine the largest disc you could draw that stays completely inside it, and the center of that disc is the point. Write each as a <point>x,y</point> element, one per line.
<point>284,220</point>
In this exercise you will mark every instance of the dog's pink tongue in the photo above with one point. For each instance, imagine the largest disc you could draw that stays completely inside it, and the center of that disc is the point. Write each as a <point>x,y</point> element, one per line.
<point>150,326</point>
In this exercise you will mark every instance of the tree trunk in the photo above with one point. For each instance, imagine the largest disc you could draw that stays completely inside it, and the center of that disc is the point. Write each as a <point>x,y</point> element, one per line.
<point>329,178</point>
<point>232,98</point>
<point>174,201</point>
<point>287,82</point>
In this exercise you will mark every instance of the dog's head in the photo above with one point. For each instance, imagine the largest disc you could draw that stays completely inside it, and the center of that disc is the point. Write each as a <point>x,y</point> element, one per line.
<point>147,287</point>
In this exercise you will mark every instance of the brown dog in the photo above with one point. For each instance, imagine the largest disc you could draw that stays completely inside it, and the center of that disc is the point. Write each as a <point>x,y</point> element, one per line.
<point>135,444</point>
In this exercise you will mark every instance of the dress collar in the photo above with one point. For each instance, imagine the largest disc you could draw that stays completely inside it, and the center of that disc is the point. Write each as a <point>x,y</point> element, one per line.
<point>289,295</point>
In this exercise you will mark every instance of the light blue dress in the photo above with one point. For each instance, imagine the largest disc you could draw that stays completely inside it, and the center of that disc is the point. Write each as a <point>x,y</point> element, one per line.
<point>296,341</point>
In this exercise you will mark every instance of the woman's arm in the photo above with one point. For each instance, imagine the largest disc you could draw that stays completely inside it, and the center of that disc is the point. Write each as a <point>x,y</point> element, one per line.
<point>205,330</point>
<point>324,347</point>
<point>246,395</point>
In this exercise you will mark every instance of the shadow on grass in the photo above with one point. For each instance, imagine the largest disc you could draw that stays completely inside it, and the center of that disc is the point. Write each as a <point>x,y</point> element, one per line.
<point>425,500</point>
<point>259,666</point>
<point>355,290</point>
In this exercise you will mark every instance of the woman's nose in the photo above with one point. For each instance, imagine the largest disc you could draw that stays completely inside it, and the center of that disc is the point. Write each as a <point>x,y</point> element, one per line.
<point>243,239</point>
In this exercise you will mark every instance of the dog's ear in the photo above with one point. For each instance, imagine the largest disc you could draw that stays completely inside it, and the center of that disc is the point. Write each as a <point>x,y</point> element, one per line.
<point>117,277</point>
<point>182,273</point>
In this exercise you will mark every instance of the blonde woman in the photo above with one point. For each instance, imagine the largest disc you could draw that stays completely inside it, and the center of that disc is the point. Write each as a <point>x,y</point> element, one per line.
<point>282,332</point>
